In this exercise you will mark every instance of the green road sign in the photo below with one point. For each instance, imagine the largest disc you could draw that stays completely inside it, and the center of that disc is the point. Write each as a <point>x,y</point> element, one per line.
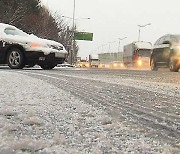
<point>84,36</point>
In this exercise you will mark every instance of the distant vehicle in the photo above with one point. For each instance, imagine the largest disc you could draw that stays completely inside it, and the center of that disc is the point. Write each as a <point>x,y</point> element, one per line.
<point>94,61</point>
<point>117,64</point>
<point>166,53</point>
<point>137,54</point>
<point>18,49</point>
<point>83,63</point>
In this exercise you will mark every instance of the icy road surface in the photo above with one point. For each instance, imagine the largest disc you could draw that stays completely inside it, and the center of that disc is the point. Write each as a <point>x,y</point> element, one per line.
<point>89,111</point>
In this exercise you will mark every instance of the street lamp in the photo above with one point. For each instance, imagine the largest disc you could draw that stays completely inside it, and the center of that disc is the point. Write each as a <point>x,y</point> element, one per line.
<point>140,26</point>
<point>103,47</point>
<point>110,45</point>
<point>73,33</point>
<point>120,39</point>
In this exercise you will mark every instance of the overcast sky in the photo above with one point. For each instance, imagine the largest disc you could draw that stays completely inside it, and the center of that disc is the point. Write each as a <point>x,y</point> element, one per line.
<point>113,19</point>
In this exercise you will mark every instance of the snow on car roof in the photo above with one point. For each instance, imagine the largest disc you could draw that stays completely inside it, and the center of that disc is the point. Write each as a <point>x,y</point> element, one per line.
<point>3,26</point>
<point>175,39</point>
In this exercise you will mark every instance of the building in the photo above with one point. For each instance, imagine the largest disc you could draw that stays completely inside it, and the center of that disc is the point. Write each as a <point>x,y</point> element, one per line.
<point>111,57</point>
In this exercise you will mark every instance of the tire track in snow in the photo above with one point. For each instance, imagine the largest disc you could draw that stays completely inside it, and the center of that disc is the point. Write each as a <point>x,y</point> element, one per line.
<point>167,126</point>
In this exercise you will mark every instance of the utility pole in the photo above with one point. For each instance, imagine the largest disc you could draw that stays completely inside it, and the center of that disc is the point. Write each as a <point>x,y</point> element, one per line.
<point>110,45</point>
<point>140,26</point>
<point>120,39</point>
<point>103,47</point>
<point>73,35</point>
<point>73,45</point>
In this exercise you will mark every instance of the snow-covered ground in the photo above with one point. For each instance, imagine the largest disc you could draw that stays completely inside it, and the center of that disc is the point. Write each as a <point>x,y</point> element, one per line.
<point>37,117</point>
<point>138,81</point>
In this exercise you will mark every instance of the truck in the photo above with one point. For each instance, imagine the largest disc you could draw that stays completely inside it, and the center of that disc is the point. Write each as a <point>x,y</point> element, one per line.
<point>94,61</point>
<point>82,62</point>
<point>137,54</point>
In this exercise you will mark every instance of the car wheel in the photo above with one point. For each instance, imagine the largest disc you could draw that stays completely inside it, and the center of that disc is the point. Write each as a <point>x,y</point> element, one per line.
<point>173,65</point>
<point>15,58</point>
<point>47,66</point>
<point>153,65</point>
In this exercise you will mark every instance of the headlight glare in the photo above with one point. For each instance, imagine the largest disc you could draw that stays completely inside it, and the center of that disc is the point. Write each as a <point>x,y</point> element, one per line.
<point>139,62</point>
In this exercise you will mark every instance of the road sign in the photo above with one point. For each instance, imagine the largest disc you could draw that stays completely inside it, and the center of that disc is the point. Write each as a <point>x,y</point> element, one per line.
<point>86,36</point>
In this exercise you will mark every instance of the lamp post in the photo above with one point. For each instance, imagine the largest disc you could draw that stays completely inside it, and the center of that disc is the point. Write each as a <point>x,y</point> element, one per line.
<point>120,39</point>
<point>110,45</point>
<point>103,47</point>
<point>141,26</point>
<point>73,31</point>
<point>72,51</point>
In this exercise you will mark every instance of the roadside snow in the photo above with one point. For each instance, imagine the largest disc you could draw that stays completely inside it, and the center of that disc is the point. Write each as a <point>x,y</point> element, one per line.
<point>36,117</point>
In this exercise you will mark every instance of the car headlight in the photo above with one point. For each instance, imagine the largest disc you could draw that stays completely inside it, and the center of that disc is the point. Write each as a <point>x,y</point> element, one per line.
<point>139,62</point>
<point>122,65</point>
<point>107,66</point>
<point>87,65</point>
<point>36,45</point>
<point>101,65</point>
<point>114,65</point>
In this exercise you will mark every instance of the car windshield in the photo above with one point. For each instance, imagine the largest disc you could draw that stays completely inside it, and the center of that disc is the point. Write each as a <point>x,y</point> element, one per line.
<point>11,31</point>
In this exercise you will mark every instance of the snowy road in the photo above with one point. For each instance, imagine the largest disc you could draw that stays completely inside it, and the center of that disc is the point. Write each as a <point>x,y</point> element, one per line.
<point>94,111</point>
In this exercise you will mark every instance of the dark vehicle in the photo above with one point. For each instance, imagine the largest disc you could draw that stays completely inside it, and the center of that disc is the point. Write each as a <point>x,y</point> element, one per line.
<point>166,53</point>
<point>19,49</point>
